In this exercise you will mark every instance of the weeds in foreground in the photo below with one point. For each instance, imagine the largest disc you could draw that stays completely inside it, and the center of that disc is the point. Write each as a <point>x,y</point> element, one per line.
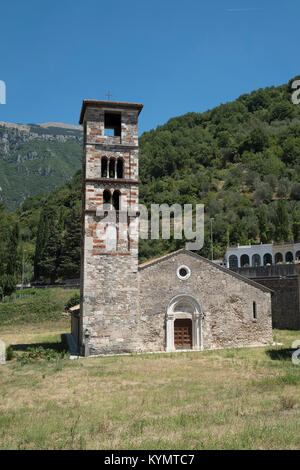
<point>40,353</point>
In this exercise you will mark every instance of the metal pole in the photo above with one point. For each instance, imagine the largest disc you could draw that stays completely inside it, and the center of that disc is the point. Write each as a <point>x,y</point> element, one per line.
<point>211,239</point>
<point>22,271</point>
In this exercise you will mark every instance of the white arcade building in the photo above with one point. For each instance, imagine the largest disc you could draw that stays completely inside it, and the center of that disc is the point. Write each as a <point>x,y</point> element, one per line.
<point>261,255</point>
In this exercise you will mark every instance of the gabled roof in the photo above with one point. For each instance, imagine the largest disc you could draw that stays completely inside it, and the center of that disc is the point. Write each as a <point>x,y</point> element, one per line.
<point>148,264</point>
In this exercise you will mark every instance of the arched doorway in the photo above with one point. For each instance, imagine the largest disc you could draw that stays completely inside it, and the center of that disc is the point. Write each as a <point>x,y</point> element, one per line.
<point>183,324</point>
<point>289,257</point>
<point>297,255</point>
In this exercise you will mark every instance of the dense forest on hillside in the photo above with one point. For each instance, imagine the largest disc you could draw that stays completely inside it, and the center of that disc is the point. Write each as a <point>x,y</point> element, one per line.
<point>241,159</point>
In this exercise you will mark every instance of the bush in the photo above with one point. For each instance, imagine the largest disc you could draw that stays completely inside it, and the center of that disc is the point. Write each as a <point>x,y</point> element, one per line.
<point>7,284</point>
<point>40,353</point>
<point>35,306</point>
<point>74,300</point>
<point>10,354</point>
<point>295,192</point>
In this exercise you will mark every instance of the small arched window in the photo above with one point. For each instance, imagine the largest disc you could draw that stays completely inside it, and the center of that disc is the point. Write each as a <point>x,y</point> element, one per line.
<point>106,199</point>
<point>104,167</point>
<point>116,200</point>
<point>254,311</point>
<point>120,168</point>
<point>112,167</point>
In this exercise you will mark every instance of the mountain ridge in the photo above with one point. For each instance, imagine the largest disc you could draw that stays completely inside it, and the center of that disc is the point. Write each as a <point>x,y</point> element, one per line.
<point>36,158</point>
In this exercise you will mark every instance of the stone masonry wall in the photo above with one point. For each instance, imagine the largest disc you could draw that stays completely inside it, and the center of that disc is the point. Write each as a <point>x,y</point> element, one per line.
<point>226,302</point>
<point>285,302</point>
<point>109,287</point>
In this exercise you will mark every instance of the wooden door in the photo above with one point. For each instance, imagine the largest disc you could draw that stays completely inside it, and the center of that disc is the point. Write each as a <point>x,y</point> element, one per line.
<point>183,334</point>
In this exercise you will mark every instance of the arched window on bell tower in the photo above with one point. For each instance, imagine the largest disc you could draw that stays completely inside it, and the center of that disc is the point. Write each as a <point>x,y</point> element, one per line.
<point>112,165</point>
<point>116,200</point>
<point>104,163</point>
<point>106,199</point>
<point>120,168</point>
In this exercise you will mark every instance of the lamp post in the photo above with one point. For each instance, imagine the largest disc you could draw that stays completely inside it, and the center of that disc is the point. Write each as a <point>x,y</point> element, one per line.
<point>23,270</point>
<point>211,238</point>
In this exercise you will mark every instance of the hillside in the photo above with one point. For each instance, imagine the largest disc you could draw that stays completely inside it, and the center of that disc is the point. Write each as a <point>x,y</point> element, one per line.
<point>36,158</point>
<point>241,159</point>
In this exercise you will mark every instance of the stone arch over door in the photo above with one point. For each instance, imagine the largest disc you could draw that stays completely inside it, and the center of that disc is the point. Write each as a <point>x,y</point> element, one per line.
<point>184,307</point>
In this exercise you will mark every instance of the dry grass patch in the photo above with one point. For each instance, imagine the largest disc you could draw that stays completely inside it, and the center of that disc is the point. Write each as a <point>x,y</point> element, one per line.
<point>238,398</point>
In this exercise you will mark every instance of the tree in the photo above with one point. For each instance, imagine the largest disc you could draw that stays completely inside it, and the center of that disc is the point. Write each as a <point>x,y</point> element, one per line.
<point>69,265</point>
<point>12,256</point>
<point>282,223</point>
<point>263,193</point>
<point>296,224</point>
<point>7,284</point>
<point>50,261</point>
<point>263,224</point>
<point>41,240</point>
<point>284,186</point>
<point>295,191</point>
<point>256,141</point>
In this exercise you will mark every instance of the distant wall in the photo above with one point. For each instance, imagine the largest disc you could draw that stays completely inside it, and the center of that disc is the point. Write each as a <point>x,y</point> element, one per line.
<point>283,280</point>
<point>285,302</point>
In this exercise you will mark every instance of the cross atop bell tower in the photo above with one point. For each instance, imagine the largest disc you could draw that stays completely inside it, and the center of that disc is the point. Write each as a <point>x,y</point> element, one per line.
<point>109,259</point>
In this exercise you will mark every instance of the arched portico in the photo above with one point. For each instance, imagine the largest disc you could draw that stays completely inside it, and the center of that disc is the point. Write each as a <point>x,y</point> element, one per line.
<point>184,307</point>
<point>256,261</point>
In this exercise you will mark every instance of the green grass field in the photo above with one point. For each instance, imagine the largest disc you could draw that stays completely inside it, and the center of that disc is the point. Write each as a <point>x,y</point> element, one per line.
<point>229,399</point>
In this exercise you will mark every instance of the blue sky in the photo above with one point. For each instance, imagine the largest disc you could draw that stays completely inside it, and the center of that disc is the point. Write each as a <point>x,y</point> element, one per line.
<point>173,56</point>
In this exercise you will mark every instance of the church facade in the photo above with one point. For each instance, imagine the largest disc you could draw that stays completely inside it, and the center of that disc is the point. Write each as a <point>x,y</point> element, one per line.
<point>180,301</point>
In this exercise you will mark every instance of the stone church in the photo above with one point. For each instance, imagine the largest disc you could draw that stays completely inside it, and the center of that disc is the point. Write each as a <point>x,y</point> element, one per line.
<point>180,301</point>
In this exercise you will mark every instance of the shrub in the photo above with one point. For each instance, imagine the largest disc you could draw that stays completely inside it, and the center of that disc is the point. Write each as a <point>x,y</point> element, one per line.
<point>295,192</point>
<point>10,354</point>
<point>40,353</point>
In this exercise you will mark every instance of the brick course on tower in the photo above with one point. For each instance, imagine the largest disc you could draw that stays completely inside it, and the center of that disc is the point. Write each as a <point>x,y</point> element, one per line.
<point>109,261</point>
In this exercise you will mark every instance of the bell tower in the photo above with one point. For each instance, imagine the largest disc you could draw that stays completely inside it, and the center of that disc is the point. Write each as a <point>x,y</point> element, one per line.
<point>109,254</point>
